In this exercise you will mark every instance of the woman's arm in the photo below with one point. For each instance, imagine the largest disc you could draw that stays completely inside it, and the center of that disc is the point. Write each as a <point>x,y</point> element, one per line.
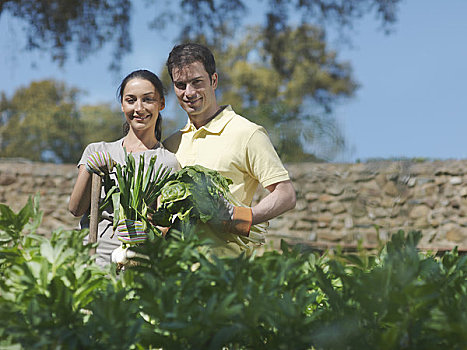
<point>80,198</point>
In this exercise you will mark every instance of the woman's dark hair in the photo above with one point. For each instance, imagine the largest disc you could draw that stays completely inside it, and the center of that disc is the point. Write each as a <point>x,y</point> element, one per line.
<point>156,82</point>
<point>185,54</point>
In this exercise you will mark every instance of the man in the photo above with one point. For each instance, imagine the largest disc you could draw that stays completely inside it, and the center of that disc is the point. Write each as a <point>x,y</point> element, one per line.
<point>218,138</point>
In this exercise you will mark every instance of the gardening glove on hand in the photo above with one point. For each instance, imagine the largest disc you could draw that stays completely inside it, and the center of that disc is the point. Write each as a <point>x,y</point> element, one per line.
<point>239,219</point>
<point>123,256</point>
<point>131,231</point>
<point>100,163</point>
<point>119,256</point>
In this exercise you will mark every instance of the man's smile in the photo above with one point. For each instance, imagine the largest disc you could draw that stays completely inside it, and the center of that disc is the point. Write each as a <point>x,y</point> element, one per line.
<point>193,101</point>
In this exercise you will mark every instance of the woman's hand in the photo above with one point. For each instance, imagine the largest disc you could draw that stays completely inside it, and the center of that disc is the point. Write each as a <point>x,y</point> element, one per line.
<point>100,163</point>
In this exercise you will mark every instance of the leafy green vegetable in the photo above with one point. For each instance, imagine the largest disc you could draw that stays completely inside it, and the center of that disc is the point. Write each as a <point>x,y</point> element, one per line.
<point>11,224</point>
<point>135,192</point>
<point>193,192</point>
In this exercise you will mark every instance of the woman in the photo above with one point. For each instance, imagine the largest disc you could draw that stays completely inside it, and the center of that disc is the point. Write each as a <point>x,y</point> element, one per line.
<point>142,98</point>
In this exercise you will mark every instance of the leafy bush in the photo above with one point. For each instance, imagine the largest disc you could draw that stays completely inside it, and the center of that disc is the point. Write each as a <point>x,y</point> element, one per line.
<point>52,296</point>
<point>49,286</point>
<point>401,299</point>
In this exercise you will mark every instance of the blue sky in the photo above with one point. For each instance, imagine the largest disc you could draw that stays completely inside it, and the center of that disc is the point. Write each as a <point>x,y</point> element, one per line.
<point>411,101</point>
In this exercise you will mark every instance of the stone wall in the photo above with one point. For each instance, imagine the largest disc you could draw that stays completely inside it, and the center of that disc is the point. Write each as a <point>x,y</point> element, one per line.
<point>345,204</point>
<point>20,179</point>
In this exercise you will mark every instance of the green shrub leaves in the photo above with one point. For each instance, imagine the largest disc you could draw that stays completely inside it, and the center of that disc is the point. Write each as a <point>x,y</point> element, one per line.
<point>52,296</point>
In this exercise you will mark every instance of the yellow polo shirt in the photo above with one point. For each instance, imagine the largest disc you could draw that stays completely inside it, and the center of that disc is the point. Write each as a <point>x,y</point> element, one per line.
<point>238,149</point>
<point>234,146</point>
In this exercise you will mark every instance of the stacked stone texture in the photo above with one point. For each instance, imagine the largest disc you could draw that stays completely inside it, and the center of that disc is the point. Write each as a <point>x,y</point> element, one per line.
<point>337,204</point>
<point>22,179</point>
<point>363,204</point>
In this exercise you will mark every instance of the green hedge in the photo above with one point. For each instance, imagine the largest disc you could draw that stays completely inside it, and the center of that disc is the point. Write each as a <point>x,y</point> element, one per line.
<point>53,296</point>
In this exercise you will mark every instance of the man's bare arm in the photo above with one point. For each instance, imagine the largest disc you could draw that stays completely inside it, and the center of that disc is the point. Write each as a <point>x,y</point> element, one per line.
<point>280,199</point>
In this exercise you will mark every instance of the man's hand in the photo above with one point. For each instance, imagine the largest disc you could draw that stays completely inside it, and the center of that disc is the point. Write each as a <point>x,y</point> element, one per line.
<point>100,163</point>
<point>236,220</point>
<point>240,221</point>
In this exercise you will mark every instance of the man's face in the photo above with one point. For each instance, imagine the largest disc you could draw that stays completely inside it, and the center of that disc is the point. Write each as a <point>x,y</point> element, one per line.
<point>196,92</point>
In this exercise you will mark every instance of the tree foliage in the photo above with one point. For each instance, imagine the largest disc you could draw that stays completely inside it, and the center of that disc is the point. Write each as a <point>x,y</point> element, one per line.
<point>86,25</point>
<point>101,123</point>
<point>281,76</point>
<point>42,122</point>
<point>293,98</point>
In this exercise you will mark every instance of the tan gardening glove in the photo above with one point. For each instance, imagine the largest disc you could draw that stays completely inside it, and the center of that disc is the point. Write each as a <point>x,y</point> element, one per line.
<point>240,221</point>
<point>234,219</point>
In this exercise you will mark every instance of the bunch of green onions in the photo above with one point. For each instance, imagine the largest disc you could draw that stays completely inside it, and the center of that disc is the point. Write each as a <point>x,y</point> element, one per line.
<point>136,191</point>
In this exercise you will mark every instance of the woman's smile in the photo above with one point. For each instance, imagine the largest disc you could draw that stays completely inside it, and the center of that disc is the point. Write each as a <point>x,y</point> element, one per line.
<point>141,118</point>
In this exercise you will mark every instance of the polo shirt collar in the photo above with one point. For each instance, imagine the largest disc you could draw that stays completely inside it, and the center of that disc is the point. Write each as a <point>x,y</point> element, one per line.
<point>216,125</point>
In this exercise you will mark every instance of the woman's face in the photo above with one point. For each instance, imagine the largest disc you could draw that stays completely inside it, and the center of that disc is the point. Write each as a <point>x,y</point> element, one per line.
<point>141,104</point>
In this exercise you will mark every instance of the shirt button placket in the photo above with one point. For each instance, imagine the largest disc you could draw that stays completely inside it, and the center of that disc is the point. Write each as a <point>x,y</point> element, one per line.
<point>196,138</point>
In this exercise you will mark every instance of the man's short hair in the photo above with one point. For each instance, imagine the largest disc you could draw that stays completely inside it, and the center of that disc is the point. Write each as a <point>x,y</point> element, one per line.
<point>185,54</point>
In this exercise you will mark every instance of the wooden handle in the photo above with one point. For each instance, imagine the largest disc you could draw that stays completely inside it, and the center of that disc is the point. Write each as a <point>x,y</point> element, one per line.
<point>94,214</point>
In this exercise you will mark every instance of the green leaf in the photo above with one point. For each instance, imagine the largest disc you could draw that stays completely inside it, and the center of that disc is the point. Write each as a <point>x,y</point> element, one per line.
<point>118,213</point>
<point>108,197</point>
